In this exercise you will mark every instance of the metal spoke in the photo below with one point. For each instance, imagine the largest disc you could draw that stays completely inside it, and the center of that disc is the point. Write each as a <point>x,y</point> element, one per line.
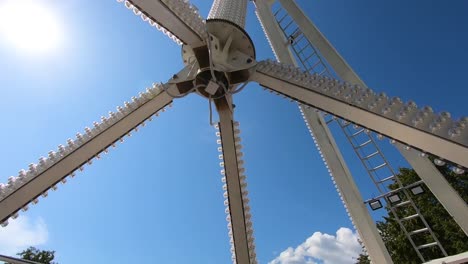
<point>418,128</point>
<point>178,19</point>
<point>29,185</point>
<point>237,208</point>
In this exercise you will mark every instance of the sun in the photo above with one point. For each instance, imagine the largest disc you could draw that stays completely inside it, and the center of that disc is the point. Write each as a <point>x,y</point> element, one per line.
<point>29,25</point>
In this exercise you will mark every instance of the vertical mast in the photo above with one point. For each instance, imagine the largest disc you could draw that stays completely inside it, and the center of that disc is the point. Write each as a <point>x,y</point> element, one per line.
<point>231,10</point>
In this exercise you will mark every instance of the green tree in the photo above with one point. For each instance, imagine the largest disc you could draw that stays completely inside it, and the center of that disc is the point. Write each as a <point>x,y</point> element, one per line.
<point>452,238</point>
<point>41,256</point>
<point>363,259</point>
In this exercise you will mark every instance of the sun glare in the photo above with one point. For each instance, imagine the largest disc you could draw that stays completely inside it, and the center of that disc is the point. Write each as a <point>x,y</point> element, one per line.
<point>29,25</point>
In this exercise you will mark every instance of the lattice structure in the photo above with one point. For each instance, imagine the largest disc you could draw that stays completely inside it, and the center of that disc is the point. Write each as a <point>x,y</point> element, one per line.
<point>219,59</point>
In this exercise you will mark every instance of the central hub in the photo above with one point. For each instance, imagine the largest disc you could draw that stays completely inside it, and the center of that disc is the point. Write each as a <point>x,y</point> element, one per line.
<point>209,87</point>
<point>225,59</point>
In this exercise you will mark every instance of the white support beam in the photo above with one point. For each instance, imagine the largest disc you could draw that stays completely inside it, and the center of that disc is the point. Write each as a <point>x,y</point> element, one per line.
<point>439,186</point>
<point>12,260</point>
<point>461,258</point>
<point>178,19</point>
<point>345,183</point>
<point>367,109</point>
<point>239,214</point>
<point>321,43</point>
<point>348,190</point>
<point>50,171</point>
<point>421,165</point>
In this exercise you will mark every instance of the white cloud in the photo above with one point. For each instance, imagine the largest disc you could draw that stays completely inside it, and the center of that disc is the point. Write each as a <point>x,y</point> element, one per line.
<point>343,248</point>
<point>21,234</point>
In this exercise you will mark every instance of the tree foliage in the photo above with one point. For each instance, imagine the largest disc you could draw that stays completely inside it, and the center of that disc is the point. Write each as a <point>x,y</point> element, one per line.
<point>452,238</point>
<point>40,256</point>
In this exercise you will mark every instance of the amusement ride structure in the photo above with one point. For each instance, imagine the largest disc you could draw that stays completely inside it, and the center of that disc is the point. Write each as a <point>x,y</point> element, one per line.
<point>220,61</point>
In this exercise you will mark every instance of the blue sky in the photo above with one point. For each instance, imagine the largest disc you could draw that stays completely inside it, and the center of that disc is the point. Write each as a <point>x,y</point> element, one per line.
<point>157,198</point>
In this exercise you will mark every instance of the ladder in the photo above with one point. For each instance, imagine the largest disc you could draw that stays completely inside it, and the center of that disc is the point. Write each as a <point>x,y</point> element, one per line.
<point>303,50</point>
<point>399,201</point>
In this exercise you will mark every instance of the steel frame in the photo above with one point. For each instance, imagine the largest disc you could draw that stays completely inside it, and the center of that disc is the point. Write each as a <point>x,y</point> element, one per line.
<point>341,175</point>
<point>423,167</point>
<point>180,20</point>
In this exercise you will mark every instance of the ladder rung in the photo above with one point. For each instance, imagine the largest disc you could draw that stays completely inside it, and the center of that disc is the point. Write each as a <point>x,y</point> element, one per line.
<point>363,144</point>
<point>310,56</point>
<point>402,204</point>
<point>296,33</point>
<point>378,167</point>
<point>286,27</point>
<point>418,231</point>
<point>315,65</point>
<point>370,156</point>
<point>299,37</point>
<point>428,245</point>
<point>281,19</point>
<point>386,179</point>
<point>410,217</point>
<point>305,47</point>
<point>279,10</point>
<point>357,133</point>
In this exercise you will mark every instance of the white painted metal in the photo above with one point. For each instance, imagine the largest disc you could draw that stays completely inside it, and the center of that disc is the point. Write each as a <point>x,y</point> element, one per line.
<point>240,226</point>
<point>357,106</point>
<point>39,179</point>
<point>439,186</point>
<point>232,10</point>
<point>182,22</point>
<point>320,42</point>
<point>347,188</point>
<point>423,167</point>
<point>11,260</point>
<point>365,145</point>
<point>176,18</point>
<point>461,258</point>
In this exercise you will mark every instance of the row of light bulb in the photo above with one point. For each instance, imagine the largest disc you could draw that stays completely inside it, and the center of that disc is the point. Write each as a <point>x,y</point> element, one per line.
<point>266,34</point>
<point>364,98</point>
<point>182,8</point>
<point>54,157</point>
<point>421,118</point>
<point>189,14</point>
<point>319,149</point>
<point>244,191</point>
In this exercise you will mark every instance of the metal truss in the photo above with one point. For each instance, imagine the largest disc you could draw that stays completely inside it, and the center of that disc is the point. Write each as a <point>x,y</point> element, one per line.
<point>220,60</point>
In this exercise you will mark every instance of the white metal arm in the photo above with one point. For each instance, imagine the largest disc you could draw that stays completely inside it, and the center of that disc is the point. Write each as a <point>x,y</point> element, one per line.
<point>29,185</point>
<point>12,260</point>
<point>178,19</point>
<point>239,223</point>
<point>419,128</point>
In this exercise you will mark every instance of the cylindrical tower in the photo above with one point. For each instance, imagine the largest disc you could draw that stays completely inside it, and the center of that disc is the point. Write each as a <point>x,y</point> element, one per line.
<point>231,10</point>
<point>227,56</point>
